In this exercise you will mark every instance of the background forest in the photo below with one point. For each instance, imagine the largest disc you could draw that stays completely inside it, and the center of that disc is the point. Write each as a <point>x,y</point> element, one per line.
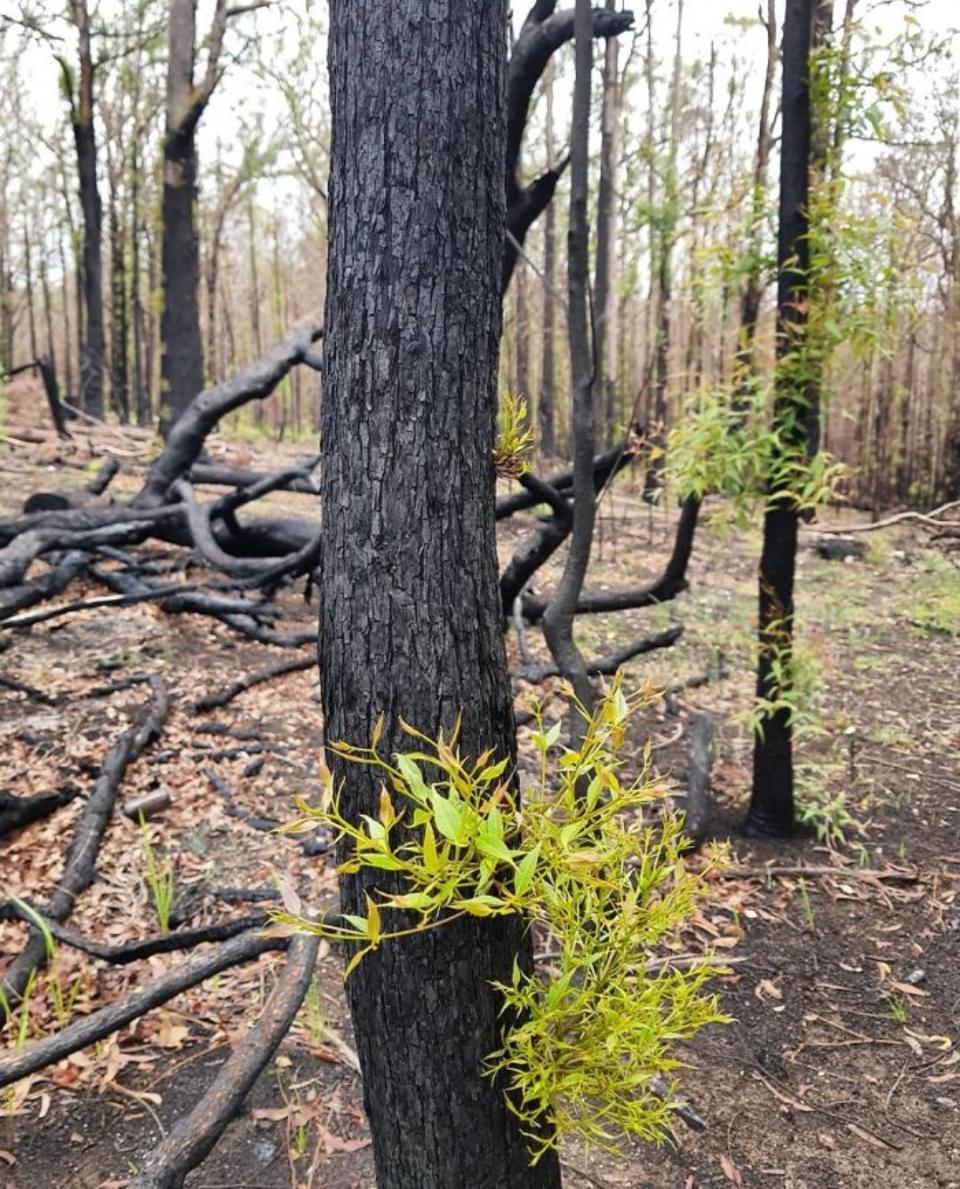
<point>687,110</point>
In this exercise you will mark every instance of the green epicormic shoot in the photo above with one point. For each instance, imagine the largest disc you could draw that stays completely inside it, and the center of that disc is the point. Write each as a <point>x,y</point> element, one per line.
<point>579,859</point>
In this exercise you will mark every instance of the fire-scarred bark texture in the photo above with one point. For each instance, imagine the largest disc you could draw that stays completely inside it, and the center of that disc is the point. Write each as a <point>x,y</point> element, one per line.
<point>410,622</point>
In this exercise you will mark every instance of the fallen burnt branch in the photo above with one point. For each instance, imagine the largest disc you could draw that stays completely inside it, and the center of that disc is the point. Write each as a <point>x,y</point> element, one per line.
<point>154,993</point>
<point>187,435</point>
<point>887,875</point>
<point>226,695</point>
<point>47,586</point>
<point>298,481</point>
<point>134,951</point>
<point>80,867</point>
<point>604,466</point>
<point>672,581</point>
<point>540,546</point>
<point>265,825</point>
<point>29,691</point>
<point>17,812</point>
<point>193,1138</point>
<point>228,611</point>
<point>117,600</point>
<point>606,665</point>
<point>929,520</point>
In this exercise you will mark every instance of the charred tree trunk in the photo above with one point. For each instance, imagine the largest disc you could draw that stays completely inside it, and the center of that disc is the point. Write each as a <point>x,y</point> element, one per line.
<point>604,287</point>
<point>65,300</point>
<point>752,293</point>
<point>546,409</point>
<point>181,360</point>
<point>559,616</point>
<point>771,805</point>
<point>410,622</point>
<point>28,278</point>
<point>120,325</point>
<point>85,141</point>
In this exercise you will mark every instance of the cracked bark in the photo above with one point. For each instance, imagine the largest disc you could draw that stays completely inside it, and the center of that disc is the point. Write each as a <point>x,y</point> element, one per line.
<point>410,621</point>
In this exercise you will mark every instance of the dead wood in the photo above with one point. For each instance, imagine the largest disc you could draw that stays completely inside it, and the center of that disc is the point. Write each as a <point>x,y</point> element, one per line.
<point>17,812</point>
<point>608,664</point>
<point>80,867</point>
<point>134,951</point>
<point>192,1139</point>
<point>99,1024</point>
<point>226,695</point>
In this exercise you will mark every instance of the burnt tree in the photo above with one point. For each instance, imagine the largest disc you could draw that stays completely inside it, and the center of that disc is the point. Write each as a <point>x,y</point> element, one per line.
<point>79,89</point>
<point>797,411</point>
<point>410,622</point>
<point>181,365</point>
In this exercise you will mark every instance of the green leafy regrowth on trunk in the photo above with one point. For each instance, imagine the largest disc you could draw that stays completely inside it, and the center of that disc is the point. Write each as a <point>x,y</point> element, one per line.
<point>582,1048</point>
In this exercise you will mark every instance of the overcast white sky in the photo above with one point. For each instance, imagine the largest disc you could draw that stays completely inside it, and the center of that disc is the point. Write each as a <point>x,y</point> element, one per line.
<point>704,21</point>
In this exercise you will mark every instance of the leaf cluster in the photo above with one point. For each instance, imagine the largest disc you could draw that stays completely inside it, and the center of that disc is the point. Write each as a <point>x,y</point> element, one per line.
<point>581,1049</point>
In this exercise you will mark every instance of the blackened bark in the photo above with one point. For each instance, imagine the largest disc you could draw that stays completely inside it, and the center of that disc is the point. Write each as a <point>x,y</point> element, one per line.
<point>752,293</point>
<point>181,362</point>
<point>543,32</point>
<point>771,805</point>
<point>546,408</point>
<point>410,622</point>
<point>559,616</point>
<point>604,288</point>
<point>84,137</point>
<point>120,324</point>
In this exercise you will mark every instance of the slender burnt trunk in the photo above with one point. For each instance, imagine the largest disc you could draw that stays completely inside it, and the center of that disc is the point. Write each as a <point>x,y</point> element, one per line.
<point>604,287</point>
<point>559,616</point>
<point>120,322</point>
<point>752,294</point>
<point>255,322</point>
<point>65,301</point>
<point>664,264</point>
<point>410,622</point>
<point>181,360</point>
<point>91,353</point>
<point>47,312</point>
<point>546,412</point>
<point>28,279</point>
<point>771,805</point>
<point>85,142</point>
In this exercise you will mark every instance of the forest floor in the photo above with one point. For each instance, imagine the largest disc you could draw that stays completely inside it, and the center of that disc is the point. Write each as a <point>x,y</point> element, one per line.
<point>841,1064</point>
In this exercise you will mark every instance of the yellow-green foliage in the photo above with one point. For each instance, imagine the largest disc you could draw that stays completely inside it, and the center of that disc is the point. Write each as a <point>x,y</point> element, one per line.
<point>580,860</point>
<point>733,446</point>
<point>511,452</point>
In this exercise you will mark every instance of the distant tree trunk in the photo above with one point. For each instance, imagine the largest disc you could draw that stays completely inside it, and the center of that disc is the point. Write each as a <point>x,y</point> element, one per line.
<point>605,276</point>
<point>559,616</point>
<point>65,301</point>
<point>546,412</point>
<point>797,407</point>
<point>48,314</point>
<point>6,303</point>
<point>409,621</point>
<point>752,293</point>
<point>85,141</point>
<point>152,320</point>
<point>141,383</point>
<point>181,359</point>
<point>667,219</point>
<point>120,323</point>
<point>28,280</point>
<point>522,330</point>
